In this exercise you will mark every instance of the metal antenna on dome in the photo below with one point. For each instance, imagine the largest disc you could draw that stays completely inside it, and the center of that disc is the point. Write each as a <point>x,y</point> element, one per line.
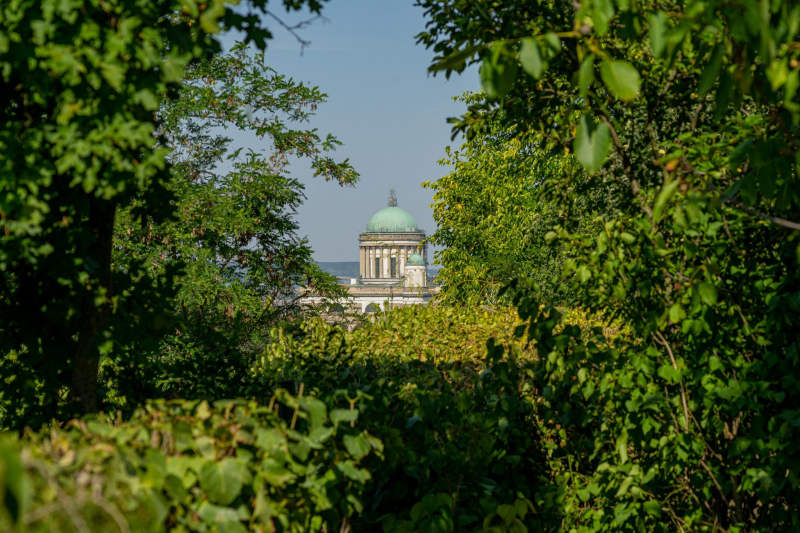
<point>392,198</point>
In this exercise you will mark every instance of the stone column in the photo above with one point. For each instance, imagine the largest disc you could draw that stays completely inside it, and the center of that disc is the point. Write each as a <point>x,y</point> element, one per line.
<point>361,262</point>
<point>368,250</point>
<point>402,261</point>
<point>385,263</point>
<point>372,257</point>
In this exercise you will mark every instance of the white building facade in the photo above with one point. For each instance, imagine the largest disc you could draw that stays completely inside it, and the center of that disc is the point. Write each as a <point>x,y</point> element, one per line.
<point>392,263</point>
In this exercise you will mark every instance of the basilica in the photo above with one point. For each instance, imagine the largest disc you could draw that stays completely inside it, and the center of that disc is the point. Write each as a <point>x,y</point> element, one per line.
<point>392,262</point>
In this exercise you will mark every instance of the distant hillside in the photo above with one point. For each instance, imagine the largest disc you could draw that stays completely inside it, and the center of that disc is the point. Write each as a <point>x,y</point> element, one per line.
<point>340,268</point>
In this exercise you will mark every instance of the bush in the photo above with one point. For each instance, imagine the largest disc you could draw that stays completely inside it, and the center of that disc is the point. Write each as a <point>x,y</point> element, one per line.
<point>426,420</point>
<point>188,466</point>
<point>461,447</point>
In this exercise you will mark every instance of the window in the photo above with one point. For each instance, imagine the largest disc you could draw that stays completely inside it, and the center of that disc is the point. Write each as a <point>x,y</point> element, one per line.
<point>377,267</point>
<point>393,264</point>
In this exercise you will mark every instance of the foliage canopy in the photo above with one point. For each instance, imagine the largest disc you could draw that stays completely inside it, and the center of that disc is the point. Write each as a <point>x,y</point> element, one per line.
<point>233,232</point>
<point>686,115</point>
<point>82,84</point>
<point>491,217</point>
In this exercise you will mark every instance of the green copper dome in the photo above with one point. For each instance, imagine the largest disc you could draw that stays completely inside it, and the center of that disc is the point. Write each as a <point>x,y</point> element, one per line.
<point>392,220</point>
<point>415,259</point>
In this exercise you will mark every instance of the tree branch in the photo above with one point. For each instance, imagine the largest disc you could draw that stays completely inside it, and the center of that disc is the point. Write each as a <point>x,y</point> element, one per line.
<point>750,211</point>
<point>662,341</point>
<point>626,163</point>
<point>293,29</point>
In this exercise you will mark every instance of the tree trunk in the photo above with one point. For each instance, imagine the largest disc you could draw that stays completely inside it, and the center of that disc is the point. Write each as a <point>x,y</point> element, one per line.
<point>93,317</point>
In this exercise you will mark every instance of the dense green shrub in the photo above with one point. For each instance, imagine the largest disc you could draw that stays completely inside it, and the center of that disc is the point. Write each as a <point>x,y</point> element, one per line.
<point>461,448</point>
<point>186,466</point>
<point>428,431</point>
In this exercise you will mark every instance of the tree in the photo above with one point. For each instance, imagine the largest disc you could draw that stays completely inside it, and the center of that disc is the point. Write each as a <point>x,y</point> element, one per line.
<point>80,84</point>
<point>685,114</point>
<point>234,232</point>
<point>491,216</point>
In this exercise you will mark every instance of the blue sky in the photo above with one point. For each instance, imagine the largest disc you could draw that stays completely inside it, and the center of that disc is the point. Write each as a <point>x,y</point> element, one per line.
<point>390,115</point>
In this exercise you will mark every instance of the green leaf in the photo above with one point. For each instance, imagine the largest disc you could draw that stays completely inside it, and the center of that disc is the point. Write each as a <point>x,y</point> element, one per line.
<point>222,480</point>
<point>507,512</point>
<point>592,142</point>
<point>669,373</point>
<point>586,75</point>
<point>156,504</point>
<point>498,71</point>
<point>270,440</point>
<point>522,508</point>
<point>531,58</point>
<point>708,292</point>
<point>431,503</point>
<point>652,507</point>
<point>357,446</point>
<point>457,60</point>
<point>175,489</point>
<point>723,96</point>
<point>275,473</point>
<point>351,472</point>
<point>225,519</point>
<point>739,154</point>
<point>711,71</point>
<point>621,78</point>
<point>343,415</point>
<point>318,412</point>
<point>203,412</point>
<point>778,73</point>
<point>622,447</point>
<point>602,13</point>
<point>320,435</point>
<point>676,313</point>
<point>663,197</point>
<point>12,481</point>
<point>418,512</point>
<point>553,42</point>
<point>624,486</point>
<point>583,273</point>
<point>658,32</point>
